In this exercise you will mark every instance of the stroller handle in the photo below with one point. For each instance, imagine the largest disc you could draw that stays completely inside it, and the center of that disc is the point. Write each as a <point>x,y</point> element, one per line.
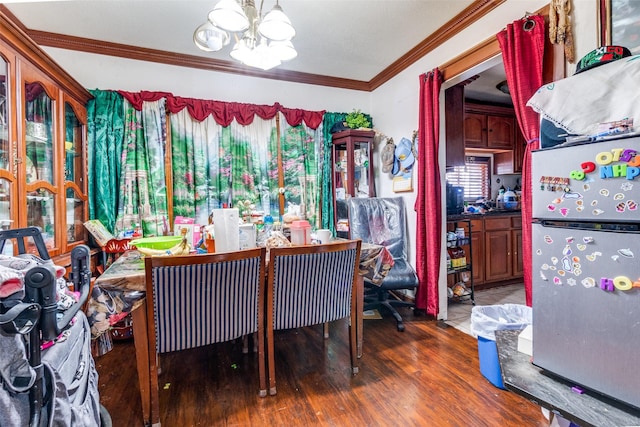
<point>41,288</point>
<point>81,278</point>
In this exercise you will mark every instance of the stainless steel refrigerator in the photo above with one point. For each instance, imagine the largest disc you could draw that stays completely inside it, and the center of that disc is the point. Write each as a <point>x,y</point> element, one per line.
<point>586,265</point>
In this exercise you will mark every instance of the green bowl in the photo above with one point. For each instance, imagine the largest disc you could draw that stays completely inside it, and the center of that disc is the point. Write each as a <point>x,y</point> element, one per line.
<point>160,242</point>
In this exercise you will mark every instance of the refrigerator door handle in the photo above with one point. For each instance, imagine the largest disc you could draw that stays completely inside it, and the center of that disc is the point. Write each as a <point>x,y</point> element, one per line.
<point>621,227</point>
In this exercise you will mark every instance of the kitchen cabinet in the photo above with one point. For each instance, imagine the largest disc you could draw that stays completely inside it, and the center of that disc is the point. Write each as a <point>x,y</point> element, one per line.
<point>42,144</point>
<point>352,171</point>
<point>489,127</point>
<point>516,241</point>
<point>503,248</point>
<point>498,265</point>
<point>510,162</point>
<point>477,256</point>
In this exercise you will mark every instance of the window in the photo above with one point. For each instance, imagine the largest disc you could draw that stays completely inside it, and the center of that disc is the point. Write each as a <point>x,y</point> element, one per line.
<point>474,176</point>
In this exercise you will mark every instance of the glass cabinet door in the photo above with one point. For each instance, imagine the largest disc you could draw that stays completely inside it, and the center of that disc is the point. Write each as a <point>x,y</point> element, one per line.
<point>73,175</point>
<point>361,171</point>
<point>6,171</point>
<point>39,134</point>
<point>5,144</point>
<point>39,161</point>
<point>341,173</point>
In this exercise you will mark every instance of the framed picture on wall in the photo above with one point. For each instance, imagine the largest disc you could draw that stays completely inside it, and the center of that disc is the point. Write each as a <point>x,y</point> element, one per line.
<point>619,22</point>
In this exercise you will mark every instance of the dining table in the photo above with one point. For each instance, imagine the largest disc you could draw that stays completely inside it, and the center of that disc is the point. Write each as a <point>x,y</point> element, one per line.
<point>120,291</point>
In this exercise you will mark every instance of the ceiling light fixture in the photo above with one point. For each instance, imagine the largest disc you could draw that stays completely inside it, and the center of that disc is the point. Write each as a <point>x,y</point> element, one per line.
<point>261,42</point>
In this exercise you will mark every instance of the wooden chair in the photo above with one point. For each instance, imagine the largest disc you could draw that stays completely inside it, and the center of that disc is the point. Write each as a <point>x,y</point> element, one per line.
<point>198,300</point>
<point>311,285</point>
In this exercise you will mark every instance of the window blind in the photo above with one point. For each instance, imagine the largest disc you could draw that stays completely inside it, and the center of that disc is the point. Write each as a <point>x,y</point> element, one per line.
<point>474,176</point>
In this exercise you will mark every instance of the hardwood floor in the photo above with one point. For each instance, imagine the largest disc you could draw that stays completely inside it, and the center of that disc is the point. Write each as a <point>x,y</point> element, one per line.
<point>426,376</point>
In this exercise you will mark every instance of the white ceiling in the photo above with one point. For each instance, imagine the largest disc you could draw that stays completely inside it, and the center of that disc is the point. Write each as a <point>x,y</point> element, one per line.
<point>352,39</point>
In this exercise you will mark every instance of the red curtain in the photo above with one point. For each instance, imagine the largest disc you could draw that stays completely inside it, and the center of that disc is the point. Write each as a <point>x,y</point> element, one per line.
<point>225,112</point>
<point>428,205</point>
<point>522,45</point>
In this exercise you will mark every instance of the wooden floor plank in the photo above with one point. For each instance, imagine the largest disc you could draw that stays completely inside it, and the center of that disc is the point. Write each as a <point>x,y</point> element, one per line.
<point>425,376</point>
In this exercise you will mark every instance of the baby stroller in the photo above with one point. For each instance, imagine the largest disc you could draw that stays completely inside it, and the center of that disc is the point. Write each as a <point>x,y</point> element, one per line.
<point>47,373</point>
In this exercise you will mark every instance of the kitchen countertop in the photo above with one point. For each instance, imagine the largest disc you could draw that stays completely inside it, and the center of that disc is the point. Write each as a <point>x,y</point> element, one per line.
<point>503,212</point>
<point>586,409</point>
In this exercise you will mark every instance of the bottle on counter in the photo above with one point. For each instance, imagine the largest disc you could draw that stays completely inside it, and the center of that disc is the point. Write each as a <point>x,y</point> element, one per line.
<point>266,231</point>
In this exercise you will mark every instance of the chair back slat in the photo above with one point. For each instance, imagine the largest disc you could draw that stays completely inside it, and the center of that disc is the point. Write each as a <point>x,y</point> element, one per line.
<point>311,285</point>
<point>197,300</point>
<point>312,288</point>
<point>200,303</point>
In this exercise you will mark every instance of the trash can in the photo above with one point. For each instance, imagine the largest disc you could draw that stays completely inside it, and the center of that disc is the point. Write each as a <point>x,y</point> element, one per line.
<point>487,319</point>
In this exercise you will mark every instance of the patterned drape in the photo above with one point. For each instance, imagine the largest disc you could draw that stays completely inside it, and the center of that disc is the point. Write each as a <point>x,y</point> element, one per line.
<point>250,165</point>
<point>428,204</point>
<point>142,192</point>
<point>105,126</point>
<point>522,44</point>
<point>195,154</point>
<point>302,161</point>
<point>212,165</point>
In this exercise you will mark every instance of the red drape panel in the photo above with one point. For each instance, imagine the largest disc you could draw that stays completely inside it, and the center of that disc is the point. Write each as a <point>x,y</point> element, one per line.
<point>225,112</point>
<point>428,204</point>
<point>522,45</point>
<point>137,98</point>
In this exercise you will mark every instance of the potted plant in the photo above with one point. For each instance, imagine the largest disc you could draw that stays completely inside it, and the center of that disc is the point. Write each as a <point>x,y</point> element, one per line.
<point>357,120</point>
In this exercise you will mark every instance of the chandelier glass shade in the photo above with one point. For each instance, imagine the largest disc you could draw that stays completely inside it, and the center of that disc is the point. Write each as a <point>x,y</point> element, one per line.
<point>261,42</point>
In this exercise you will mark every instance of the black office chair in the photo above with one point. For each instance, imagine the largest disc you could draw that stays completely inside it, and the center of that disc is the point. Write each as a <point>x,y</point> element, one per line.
<point>382,221</point>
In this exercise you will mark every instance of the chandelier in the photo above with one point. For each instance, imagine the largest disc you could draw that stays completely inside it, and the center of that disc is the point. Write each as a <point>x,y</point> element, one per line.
<point>261,42</point>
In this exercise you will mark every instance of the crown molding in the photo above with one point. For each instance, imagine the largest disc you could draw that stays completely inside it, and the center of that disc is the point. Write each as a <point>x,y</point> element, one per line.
<point>99,47</point>
<point>464,19</point>
<point>13,34</point>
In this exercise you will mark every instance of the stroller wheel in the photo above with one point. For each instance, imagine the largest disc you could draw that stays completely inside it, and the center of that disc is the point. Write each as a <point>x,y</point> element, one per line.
<point>105,418</point>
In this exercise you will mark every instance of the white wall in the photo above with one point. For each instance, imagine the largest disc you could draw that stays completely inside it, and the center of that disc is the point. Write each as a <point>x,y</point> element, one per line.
<point>112,73</point>
<point>394,106</point>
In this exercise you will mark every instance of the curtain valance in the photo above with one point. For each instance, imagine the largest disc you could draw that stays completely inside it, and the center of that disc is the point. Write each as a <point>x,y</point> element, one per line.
<point>224,112</point>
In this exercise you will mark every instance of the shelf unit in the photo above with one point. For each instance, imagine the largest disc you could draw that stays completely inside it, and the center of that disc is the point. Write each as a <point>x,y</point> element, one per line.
<point>460,275</point>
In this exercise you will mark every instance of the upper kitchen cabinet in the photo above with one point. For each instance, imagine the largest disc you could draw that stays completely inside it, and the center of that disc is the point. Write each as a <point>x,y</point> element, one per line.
<point>489,127</point>
<point>508,162</point>
<point>43,156</point>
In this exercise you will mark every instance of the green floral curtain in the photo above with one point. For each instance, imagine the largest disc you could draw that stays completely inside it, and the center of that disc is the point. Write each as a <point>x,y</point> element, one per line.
<point>215,166</point>
<point>328,121</point>
<point>195,151</point>
<point>302,165</point>
<point>105,126</point>
<point>212,166</point>
<point>252,158</point>
<point>142,190</point>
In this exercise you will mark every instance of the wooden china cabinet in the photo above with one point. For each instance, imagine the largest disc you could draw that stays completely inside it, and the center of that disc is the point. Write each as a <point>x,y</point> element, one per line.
<point>352,172</point>
<point>43,156</point>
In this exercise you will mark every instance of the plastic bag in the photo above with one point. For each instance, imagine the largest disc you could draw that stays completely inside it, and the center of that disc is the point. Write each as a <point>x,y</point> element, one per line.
<point>487,319</point>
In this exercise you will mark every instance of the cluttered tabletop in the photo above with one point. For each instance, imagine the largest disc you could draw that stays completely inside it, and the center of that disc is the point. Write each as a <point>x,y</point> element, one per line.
<point>121,289</point>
